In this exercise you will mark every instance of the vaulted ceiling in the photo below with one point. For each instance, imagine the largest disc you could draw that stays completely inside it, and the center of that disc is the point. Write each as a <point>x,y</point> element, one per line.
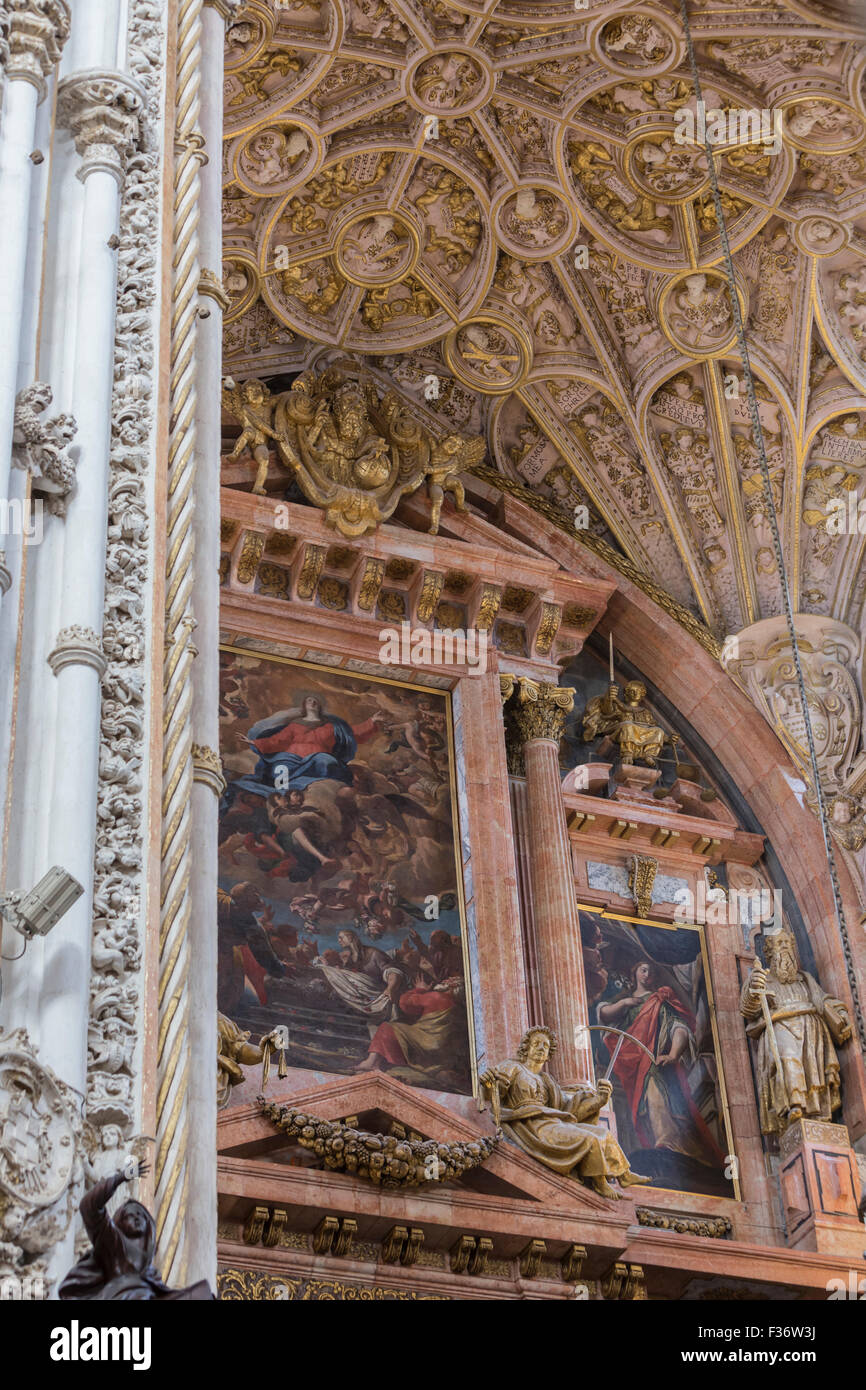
<point>487,204</point>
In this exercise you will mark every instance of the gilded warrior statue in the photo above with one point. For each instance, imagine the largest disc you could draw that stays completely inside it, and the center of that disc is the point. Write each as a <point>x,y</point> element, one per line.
<point>555,1126</point>
<point>797,1027</point>
<point>627,722</point>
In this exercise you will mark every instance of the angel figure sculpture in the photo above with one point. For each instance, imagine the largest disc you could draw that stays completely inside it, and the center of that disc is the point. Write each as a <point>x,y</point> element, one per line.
<point>253,405</point>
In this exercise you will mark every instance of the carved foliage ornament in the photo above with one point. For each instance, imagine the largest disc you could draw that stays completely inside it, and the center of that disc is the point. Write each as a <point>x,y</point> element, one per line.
<point>37,31</point>
<point>40,445</point>
<point>383,1159</point>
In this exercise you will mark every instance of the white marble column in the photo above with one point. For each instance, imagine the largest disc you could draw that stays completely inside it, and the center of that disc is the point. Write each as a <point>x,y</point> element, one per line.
<point>37,32</point>
<point>208,782</point>
<point>101,109</point>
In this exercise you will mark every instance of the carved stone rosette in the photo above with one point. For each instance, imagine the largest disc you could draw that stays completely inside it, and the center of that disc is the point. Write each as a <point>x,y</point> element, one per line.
<point>103,111</point>
<point>41,1171</point>
<point>36,31</point>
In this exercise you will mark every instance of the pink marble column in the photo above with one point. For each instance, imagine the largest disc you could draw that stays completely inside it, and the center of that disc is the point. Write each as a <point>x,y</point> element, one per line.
<point>538,713</point>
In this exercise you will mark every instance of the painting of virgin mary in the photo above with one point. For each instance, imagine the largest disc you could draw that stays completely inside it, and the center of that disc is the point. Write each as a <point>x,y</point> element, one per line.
<point>299,746</point>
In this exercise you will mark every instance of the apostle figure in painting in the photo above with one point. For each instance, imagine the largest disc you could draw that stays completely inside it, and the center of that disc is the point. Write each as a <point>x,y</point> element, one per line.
<point>305,744</point>
<point>120,1265</point>
<point>553,1125</point>
<point>627,722</point>
<point>663,1113</point>
<point>244,947</point>
<point>798,1070</point>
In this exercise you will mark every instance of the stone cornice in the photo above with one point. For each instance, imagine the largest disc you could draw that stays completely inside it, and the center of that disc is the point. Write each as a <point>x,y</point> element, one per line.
<point>37,31</point>
<point>102,110</point>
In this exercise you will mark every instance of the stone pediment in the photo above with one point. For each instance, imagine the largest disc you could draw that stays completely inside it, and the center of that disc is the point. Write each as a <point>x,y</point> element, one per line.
<point>508,1181</point>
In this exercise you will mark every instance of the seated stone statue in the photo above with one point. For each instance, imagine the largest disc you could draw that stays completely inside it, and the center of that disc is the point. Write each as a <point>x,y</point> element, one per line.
<point>120,1265</point>
<point>553,1125</point>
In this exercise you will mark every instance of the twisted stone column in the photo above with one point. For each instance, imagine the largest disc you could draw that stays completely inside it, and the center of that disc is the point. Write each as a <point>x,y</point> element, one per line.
<point>538,713</point>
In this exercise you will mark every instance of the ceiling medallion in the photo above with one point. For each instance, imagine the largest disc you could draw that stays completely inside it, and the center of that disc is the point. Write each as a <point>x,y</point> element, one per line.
<point>449,84</point>
<point>377,247</point>
<point>489,354</point>
<point>657,165</point>
<point>645,44</point>
<point>823,125</point>
<point>534,223</point>
<point>695,313</point>
<point>820,235</point>
<point>275,160</point>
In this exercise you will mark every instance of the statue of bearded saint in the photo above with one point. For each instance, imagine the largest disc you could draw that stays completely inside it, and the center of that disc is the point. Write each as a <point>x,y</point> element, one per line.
<point>556,1126</point>
<point>627,722</point>
<point>798,1070</point>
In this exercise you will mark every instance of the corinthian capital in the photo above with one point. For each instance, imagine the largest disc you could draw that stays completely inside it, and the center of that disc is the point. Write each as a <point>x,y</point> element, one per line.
<point>36,33</point>
<point>103,112</point>
<point>540,708</point>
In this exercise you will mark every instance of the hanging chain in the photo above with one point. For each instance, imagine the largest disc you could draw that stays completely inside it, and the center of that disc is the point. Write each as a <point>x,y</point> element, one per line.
<point>758,437</point>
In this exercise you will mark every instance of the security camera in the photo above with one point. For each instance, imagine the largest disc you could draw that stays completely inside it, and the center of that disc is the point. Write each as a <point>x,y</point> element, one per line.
<point>36,912</point>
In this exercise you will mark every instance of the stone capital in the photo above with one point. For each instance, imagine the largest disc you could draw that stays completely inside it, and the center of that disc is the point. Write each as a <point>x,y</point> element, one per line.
<point>37,31</point>
<point>540,708</point>
<point>103,112</point>
<point>207,768</point>
<point>77,646</point>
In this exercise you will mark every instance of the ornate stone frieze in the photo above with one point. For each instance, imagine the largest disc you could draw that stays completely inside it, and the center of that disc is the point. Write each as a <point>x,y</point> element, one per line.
<point>114,1039</point>
<point>77,645</point>
<point>41,1171</point>
<point>248,1285</point>
<point>103,112</point>
<point>40,445</point>
<point>35,32</point>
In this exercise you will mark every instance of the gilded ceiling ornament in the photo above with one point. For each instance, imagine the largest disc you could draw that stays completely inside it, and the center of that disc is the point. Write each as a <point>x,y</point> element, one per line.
<point>378,248</point>
<point>489,354</point>
<point>695,313</point>
<point>534,223</point>
<point>637,43</point>
<point>659,166</point>
<point>820,236</point>
<point>383,1159</point>
<point>277,159</point>
<point>451,82</point>
<point>823,125</point>
<point>240,281</point>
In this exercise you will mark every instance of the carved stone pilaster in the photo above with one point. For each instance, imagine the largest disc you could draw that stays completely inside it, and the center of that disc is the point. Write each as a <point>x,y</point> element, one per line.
<point>77,645</point>
<point>760,660</point>
<point>41,1167</point>
<point>35,32</point>
<point>103,111</point>
<point>40,445</point>
<point>208,768</point>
